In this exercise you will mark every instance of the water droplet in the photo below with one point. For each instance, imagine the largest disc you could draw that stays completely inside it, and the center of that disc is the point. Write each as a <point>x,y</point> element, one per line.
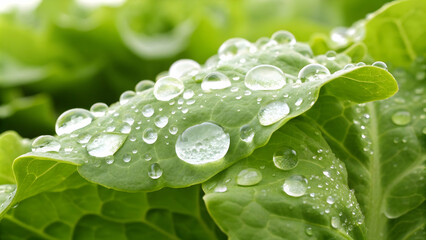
<point>326,173</point>
<point>167,88</point>
<point>161,121</point>
<point>173,130</point>
<point>202,143</point>
<point>331,55</point>
<point>247,133</point>
<point>105,144</point>
<point>125,128</point>
<point>148,110</point>
<point>215,80</point>
<point>330,200</point>
<point>232,47</point>
<point>309,231</point>
<point>84,138</point>
<point>147,157</point>
<point>155,171</point>
<point>144,85</point>
<point>188,94</point>
<point>273,113</point>
<point>295,186</point>
<point>249,177</point>
<point>360,64</point>
<point>99,109</point>
<point>262,42</point>
<point>335,222</point>
<point>149,136</point>
<point>401,118</point>
<point>339,36</point>
<point>313,72</point>
<point>72,120</point>
<point>298,102</point>
<point>380,64</point>
<point>46,143</point>
<point>234,89</point>
<point>286,158</point>
<point>221,189</point>
<point>284,37</point>
<point>182,67</point>
<point>126,96</point>
<point>264,77</point>
<point>349,66</point>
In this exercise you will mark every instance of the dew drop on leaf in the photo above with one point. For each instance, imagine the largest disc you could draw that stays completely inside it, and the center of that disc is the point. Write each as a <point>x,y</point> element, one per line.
<point>273,113</point>
<point>202,143</point>
<point>330,200</point>
<point>188,94</point>
<point>72,120</point>
<point>99,109</point>
<point>148,110</point>
<point>380,64</point>
<point>249,177</point>
<point>125,128</point>
<point>313,72</point>
<point>232,47</point>
<point>298,102</point>
<point>247,133</point>
<point>46,143</point>
<point>264,77</point>
<point>331,55</point>
<point>147,157</point>
<point>349,66</point>
<point>401,118</point>
<point>286,158</point>
<point>155,171</point>
<point>182,67</point>
<point>127,158</point>
<point>335,222</point>
<point>105,144</point>
<point>221,189</point>
<point>167,88</point>
<point>284,37</point>
<point>144,85</point>
<point>173,130</point>
<point>161,121</point>
<point>126,96</point>
<point>149,136</point>
<point>308,231</point>
<point>295,186</point>
<point>215,80</point>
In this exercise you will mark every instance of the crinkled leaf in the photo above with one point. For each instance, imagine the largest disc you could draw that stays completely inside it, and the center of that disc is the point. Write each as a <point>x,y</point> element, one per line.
<point>12,145</point>
<point>326,210</point>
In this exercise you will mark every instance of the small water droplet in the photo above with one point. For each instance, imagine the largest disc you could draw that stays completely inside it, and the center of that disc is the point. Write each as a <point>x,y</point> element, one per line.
<point>335,222</point>
<point>202,143</point>
<point>265,77</point>
<point>330,200</point>
<point>155,171</point>
<point>360,64</point>
<point>167,88</point>
<point>182,67</point>
<point>273,113</point>
<point>326,173</point>
<point>295,186</point>
<point>284,37</point>
<point>99,109</point>
<point>72,120</point>
<point>149,136</point>
<point>234,89</point>
<point>331,55</point>
<point>148,110</point>
<point>215,80</point>
<point>232,47</point>
<point>313,72</point>
<point>309,231</point>
<point>380,64</point>
<point>161,121</point>
<point>125,128</point>
<point>84,138</point>
<point>46,143</point>
<point>173,130</point>
<point>105,144</point>
<point>249,177</point>
<point>221,189</point>
<point>401,118</point>
<point>298,102</point>
<point>188,94</point>
<point>144,85</point>
<point>127,158</point>
<point>126,96</point>
<point>147,157</point>
<point>349,66</point>
<point>247,133</point>
<point>286,158</point>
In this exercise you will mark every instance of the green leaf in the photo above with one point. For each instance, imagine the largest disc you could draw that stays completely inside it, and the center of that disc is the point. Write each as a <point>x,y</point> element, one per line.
<point>12,145</point>
<point>324,209</point>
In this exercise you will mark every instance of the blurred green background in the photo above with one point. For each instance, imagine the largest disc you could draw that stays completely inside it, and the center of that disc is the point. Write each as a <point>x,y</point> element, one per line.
<point>56,55</point>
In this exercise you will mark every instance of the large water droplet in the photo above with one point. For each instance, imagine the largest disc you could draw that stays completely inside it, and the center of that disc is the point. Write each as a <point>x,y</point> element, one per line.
<point>295,186</point>
<point>215,80</point>
<point>155,171</point>
<point>72,120</point>
<point>249,177</point>
<point>283,37</point>
<point>286,158</point>
<point>313,72</point>
<point>99,109</point>
<point>46,143</point>
<point>105,144</point>
<point>401,118</point>
<point>167,88</point>
<point>182,67</point>
<point>148,110</point>
<point>264,77</point>
<point>273,113</point>
<point>202,143</point>
<point>126,96</point>
<point>380,64</point>
<point>232,47</point>
<point>149,136</point>
<point>144,85</point>
<point>247,133</point>
<point>161,121</point>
